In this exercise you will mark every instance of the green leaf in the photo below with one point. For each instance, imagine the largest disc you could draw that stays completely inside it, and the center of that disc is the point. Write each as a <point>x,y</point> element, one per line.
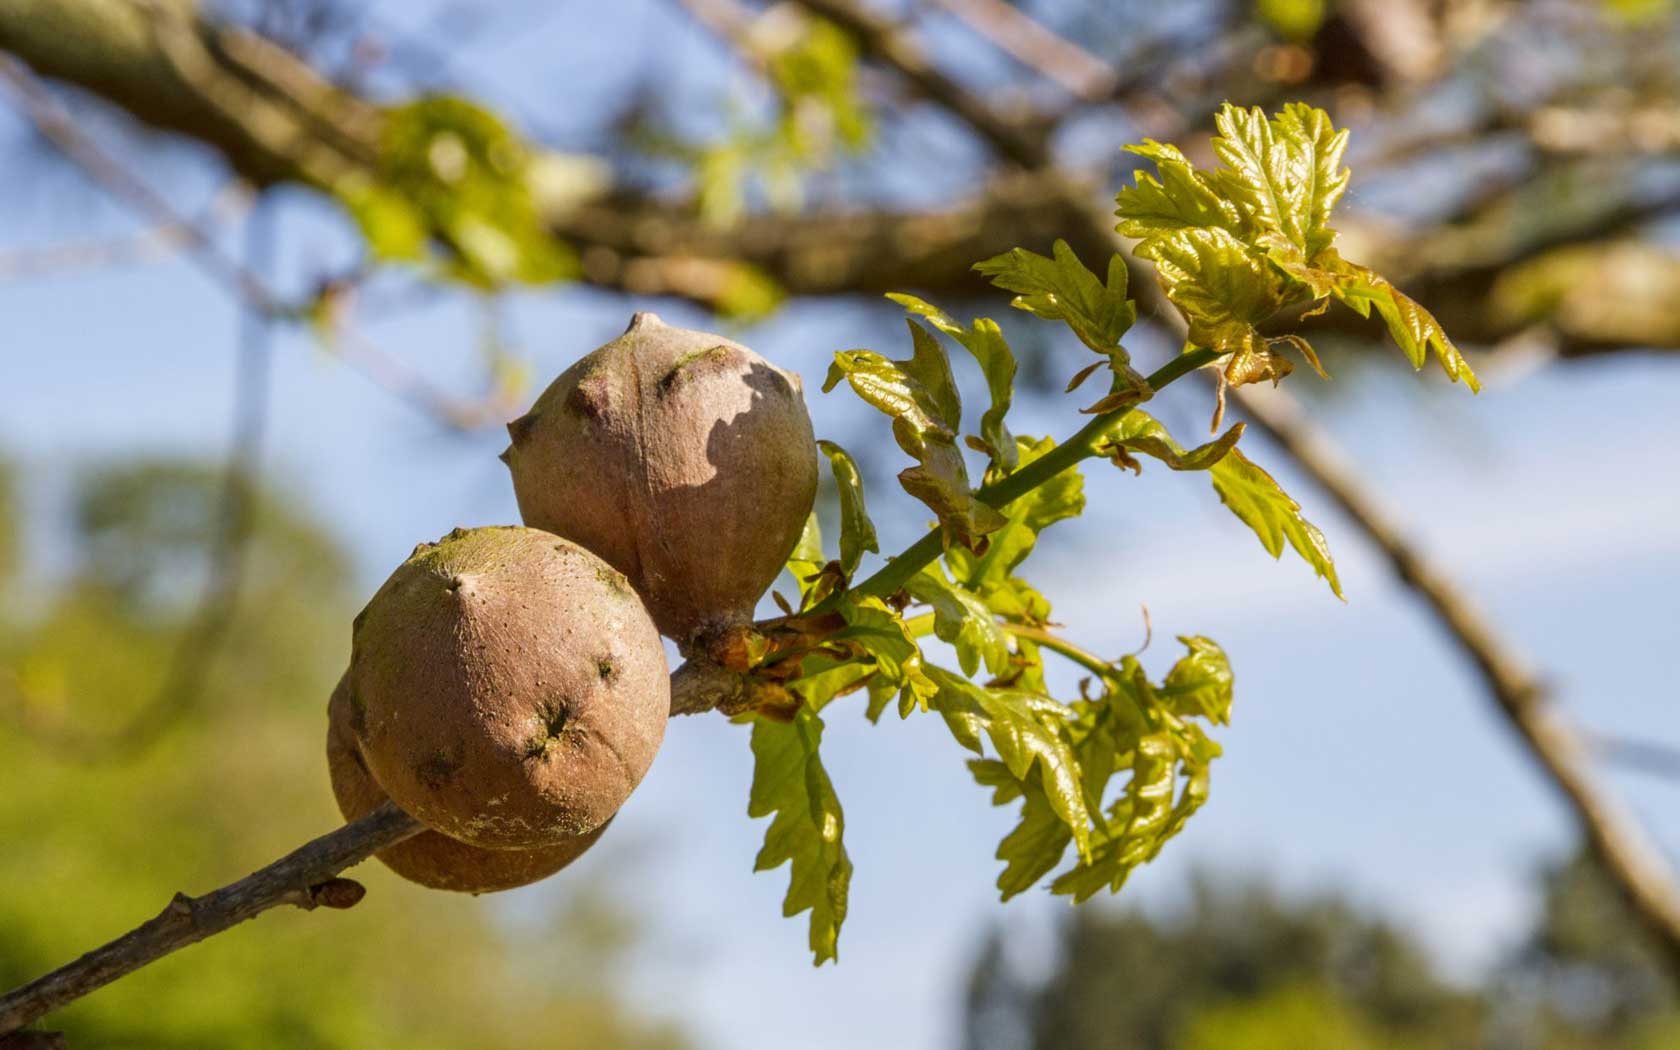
<point>807,828</point>
<point>1037,842</point>
<point>1098,312</point>
<point>1027,732</point>
<point>1199,685</point>
<point>819,71</point>
<point>1222,288</point>
<point>879,633</point>
<point>921,398</point>
<point>857,532</point>
<point>989,574</point>
<point>807,559</point>
<point>393,228</point>
<point>1138,431</point>
<point>984,339</point>
<point>1234,245</point>
<point>1314,148</point>
<point>962,619</point>
<point>451,174</point>
<point>1062,289</point>
<point>824,677</point>
<point>1263,506</point>
<point>1181,198</point>
<point>1411,326</point>
<point>1285,174</point>
<point>1137,826</point>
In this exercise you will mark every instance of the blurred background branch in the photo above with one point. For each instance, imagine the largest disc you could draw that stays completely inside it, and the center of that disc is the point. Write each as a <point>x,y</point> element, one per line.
<point>1517,169</point>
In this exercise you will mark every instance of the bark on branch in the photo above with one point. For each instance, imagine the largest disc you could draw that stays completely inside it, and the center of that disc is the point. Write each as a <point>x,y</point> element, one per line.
<point>305,877</point>
<point>1636,865</point>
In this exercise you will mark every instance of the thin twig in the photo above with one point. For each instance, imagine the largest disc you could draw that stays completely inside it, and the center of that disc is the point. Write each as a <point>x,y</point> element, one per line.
<point>1643,756</point>
<point>1030,42</point>
<point>893,45</point>
<point>151,245</point>
<point>59,129</point>
<point>305,877</point>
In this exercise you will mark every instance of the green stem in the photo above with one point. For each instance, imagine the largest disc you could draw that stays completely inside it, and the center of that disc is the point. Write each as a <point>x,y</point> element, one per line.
<point>1083,657</point>
<point>892,576</point>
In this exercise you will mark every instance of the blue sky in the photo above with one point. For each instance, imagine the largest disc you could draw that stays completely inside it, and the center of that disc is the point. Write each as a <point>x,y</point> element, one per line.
<point>1362,755</point>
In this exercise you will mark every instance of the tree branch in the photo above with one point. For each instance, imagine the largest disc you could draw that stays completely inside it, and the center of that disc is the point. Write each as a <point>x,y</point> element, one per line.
<point>893,46</point>
<point>305,877</point>
<point>1642,874</point>
<point>60,129</point>
<point>1029,42</point>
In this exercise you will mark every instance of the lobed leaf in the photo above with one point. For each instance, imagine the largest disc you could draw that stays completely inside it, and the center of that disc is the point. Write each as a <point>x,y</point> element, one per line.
<point>807,828</point>
<point>1038,841</point>
<point>983,339</point>
<point>1063,289</point>
<point>1027,732</point>
<point>878,633</point>
<point>1236,244</point>
<point>1138,431</point>
<point>1256,498</point>
<point>921,398</point>
<point>962,619</point>
<point>1199,684</point>
<point>1137,825</point>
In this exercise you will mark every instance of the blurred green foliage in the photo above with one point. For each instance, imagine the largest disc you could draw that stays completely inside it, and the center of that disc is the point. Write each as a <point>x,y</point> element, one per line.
<point>451,173</point>
<point>96,843</point>
<point>1243,968</point>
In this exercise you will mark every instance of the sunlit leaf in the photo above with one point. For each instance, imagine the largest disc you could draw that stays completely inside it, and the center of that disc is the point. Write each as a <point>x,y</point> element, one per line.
<point>1199,684</point>
<point>1137,431</point>
<point>1063,289</point>
<point>1037,842</point>
<point>1234,245</point>
<point>807,830</point>
<point>983,339</point>
<point>1263,506</point>
<point>962,619</point>
<point>1027,733</point>
<point>857,532</point>
<point>879,633</point>
<point>921,398</point>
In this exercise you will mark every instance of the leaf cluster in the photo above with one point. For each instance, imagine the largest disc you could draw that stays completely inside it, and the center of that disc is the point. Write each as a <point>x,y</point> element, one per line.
<point>1105,779</point>
<point>1237,244</point>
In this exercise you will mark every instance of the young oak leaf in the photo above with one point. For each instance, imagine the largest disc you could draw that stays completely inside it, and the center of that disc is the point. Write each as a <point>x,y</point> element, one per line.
<point>878,633</point>
<point>1137,825</point>
<point>962,619</point>
<point>1027,732</point>
<point>983,339</point>
<point>1097,311</point>
<point>1411,326</point>
<point>1063,289</point>
<point>857,531</point>
<point>807,827</point>
<point>989,574</point>
<point>1199,684</point>
<point>1039,839</point>
<point>1138,431</point>
<point>1214,234</point>
<point>921,398</point>
<point>1256,498</point>
<point>1285,174</point>
<point>1181,198</point>
<point>1224,291</point>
